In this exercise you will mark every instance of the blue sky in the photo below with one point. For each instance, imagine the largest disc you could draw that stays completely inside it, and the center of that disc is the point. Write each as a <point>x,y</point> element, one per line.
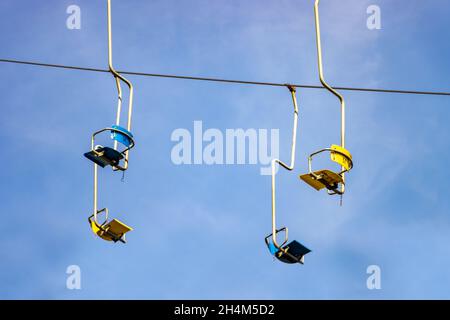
<point>199,229</point>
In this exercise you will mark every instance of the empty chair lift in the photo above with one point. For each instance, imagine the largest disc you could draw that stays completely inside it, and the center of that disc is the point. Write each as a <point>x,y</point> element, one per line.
<point>333,181</point>
<point>293,252</point>
<point>103,156</point>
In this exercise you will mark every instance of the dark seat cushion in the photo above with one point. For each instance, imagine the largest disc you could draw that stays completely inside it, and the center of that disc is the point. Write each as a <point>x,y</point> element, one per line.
<point>108,156</point>
<point>295,252</point>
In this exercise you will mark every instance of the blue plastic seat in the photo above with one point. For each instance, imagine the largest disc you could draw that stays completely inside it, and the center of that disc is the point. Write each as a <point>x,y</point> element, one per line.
<point>294,252</point>
<point>122,135</point>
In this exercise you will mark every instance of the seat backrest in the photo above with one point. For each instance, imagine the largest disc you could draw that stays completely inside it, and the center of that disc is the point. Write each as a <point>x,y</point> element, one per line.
<point>99,231</point>
<point>95,228</point>
<point>273,250</point>
<point>121,135</point>
<point>342,156</point>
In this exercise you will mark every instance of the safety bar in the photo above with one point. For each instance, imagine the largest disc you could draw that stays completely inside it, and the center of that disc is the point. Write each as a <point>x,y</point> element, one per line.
<point>331,150</point>
<point>132,144</point>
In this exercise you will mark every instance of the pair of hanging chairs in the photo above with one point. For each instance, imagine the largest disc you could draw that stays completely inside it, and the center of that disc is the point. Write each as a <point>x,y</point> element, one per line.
<point>116,156</point>
<point>331,180</point>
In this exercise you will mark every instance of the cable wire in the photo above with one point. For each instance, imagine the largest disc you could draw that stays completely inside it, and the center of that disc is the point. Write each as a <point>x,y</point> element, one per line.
<point>273,84</point>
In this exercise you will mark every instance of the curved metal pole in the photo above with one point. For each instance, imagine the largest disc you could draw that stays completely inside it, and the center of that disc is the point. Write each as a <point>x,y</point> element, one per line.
<point>95,191</point>
<point>289,167</point>
<point>119,106</point>
<point>324,83</point>
<point>96,211</point>
<point>119,77</point>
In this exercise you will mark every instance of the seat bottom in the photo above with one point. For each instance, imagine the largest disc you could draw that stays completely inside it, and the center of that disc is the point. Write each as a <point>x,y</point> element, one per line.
<point>112,231</point>
<point>323,179</point>
<point>104,156</point>
<point>295,252</point>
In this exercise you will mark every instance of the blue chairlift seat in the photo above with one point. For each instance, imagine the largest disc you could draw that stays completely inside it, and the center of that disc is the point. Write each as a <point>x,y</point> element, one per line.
<point>295,252</point>
<point>104,156</point>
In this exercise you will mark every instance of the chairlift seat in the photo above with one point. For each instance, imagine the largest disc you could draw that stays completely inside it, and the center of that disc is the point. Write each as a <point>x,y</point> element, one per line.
<point>114,230</point>
<point>104,156</point>
<point>293,252</point>
<point>323,179</point>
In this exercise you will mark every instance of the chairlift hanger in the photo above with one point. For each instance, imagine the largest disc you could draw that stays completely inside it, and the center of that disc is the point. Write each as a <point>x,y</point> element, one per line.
<point>293,252</point>
<point>333,181</point>
<point>112,230</point>
<point>113,157</point>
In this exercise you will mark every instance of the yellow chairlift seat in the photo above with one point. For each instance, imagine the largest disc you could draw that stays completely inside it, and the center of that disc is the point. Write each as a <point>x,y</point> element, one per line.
<point>113,230</point>
<point>326,178</point>
<point>323,179</point>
